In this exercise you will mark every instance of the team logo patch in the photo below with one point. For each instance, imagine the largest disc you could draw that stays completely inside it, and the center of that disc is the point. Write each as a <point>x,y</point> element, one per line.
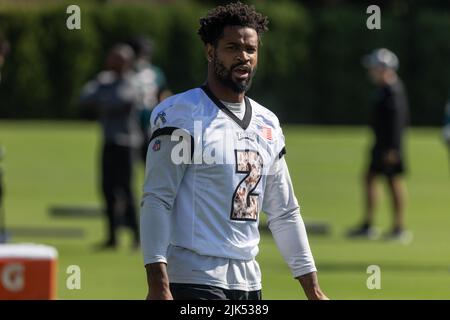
<point>160,119</point>
<point>157,145</point>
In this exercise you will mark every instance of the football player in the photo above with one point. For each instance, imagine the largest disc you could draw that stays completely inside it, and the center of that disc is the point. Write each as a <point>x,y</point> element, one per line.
<point>199,219</point>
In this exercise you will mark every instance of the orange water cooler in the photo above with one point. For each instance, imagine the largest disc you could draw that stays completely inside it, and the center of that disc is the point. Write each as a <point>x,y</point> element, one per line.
<point>28,272</point>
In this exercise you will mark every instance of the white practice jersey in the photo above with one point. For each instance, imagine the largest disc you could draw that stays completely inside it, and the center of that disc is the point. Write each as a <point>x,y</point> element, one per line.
<point>210,171</point>
<point>217,205</point>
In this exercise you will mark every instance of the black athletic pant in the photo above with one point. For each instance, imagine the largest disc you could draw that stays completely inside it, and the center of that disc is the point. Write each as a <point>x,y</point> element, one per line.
<point>184,291</point>
<point>117,186</point>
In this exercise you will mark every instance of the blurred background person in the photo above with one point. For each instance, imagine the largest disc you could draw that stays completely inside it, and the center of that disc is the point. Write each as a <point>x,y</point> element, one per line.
<point>446,129</point>
<point>113,96</point>
<point>4,50</point>
<point>389,118</point>
<point>151,84</point>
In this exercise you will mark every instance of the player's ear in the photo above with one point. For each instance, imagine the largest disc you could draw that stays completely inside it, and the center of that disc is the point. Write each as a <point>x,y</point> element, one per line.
<point>209,51</point>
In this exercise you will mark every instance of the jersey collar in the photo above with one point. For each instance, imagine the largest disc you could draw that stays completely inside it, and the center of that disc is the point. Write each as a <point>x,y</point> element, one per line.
<point>245,122</point>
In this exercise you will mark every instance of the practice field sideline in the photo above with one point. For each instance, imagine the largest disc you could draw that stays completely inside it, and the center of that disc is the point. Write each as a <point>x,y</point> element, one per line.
<point>49,163</point>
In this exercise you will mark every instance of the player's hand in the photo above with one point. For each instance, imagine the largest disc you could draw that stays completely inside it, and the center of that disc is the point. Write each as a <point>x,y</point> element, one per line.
<point>315,294</point>
<point>318,296</point>
<point>391,157</point>
<point>157,294</point>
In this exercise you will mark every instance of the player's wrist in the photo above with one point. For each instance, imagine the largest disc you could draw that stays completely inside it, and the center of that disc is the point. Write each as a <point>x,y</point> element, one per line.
<point>157,277</point>
<point>310,285</point>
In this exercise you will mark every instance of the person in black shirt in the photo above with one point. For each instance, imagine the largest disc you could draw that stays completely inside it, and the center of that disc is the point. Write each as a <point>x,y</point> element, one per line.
<point>389,118</point>
<point>113,97</point>
<point>4,49</point>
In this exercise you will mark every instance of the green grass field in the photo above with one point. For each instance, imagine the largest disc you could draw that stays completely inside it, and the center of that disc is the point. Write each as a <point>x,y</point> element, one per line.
<point>54,163</point>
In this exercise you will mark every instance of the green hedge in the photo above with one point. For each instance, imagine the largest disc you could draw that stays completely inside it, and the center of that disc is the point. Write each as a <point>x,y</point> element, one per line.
<point>309,69</point>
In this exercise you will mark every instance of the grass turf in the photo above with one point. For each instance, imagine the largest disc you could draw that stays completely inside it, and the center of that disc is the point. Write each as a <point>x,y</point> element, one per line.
<point>55,163</point>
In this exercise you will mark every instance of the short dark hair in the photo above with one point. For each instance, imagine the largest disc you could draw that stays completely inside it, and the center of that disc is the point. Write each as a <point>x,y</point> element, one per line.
<point>233,14</point>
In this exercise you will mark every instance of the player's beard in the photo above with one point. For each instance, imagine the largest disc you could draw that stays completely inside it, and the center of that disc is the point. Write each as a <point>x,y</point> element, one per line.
<point>225,77</point>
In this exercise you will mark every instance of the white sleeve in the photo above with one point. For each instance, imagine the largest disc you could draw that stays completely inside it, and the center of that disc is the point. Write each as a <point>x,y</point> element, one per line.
<point>162,179</point>
<point>88,94</point>
<point>285,221</point>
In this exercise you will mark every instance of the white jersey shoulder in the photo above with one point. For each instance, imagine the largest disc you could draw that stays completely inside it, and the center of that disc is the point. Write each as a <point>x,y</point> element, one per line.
<point>265,114</point>
<point>267,119</point>
<point>177,111</point>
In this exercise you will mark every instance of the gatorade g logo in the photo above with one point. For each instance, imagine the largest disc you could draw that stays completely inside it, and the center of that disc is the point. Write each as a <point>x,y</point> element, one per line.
<point>13,277</point>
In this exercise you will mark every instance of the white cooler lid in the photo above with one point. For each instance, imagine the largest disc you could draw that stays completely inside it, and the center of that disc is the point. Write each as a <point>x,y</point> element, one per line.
<point>28,250</point>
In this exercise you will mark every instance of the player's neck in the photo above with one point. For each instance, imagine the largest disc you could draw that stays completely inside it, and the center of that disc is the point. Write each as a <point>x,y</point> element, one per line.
<point>222,92</point>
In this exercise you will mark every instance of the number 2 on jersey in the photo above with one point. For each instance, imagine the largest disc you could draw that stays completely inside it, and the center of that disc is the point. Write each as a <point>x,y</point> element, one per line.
<point>245,200</point>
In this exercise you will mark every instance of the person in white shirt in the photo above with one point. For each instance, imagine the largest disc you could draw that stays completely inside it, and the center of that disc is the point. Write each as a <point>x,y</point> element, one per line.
<point>214,162</point>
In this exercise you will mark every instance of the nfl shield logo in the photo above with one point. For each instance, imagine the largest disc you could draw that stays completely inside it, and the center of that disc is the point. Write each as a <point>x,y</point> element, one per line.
<point>157,145</point>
